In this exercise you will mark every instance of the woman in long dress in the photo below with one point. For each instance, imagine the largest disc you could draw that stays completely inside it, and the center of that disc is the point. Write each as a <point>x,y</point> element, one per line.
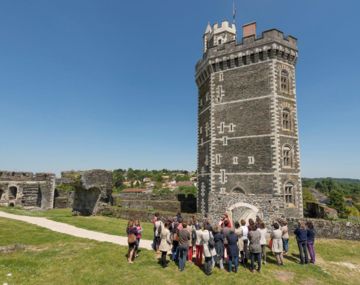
<point>277,244</point>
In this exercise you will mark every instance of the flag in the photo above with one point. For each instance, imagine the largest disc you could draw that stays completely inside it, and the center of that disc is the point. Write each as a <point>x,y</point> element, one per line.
<point>234,11</point>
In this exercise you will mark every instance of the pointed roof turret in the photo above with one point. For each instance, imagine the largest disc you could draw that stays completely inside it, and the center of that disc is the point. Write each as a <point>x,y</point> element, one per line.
<point>208,29</point>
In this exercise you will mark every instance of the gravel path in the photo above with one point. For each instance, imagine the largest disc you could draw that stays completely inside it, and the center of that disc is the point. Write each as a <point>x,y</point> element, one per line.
<point>73,231</point>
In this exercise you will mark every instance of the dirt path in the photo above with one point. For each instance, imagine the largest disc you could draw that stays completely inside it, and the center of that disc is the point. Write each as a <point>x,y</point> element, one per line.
<point>73,231</point>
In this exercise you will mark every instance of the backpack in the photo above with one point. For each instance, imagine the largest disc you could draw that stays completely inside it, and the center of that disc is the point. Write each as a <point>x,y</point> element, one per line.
<point>131,238</point>
<point>211,241</point>
<point>193,236</point>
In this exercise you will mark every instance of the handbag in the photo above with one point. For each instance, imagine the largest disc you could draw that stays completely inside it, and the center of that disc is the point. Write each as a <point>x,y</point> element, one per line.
<point>131,238</point>
<point>270,243</point>
<point>211,241</point>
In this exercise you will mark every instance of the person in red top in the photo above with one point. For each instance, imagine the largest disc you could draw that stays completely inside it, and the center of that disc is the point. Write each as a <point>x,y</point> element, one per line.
<point>229,223</point>
<point>138,237</point>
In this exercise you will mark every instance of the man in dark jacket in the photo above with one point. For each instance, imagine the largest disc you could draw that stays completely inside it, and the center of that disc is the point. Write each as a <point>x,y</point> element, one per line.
<point>301,238</point>
<point>233,250</point>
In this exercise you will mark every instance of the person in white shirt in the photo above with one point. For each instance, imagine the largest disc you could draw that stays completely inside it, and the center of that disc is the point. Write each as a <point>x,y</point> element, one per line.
<point>244,253</point>
<point>198,246</point>
<point>158,225</point>
<point>263,243</point>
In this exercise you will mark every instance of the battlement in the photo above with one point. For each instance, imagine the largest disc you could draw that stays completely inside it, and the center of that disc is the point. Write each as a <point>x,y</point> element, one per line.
<point>225,26</point>
<point>25,176</point>
<point>253,48</point>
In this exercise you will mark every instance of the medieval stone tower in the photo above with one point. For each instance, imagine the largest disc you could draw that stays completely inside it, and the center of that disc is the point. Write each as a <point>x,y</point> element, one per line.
<point>248,146</point>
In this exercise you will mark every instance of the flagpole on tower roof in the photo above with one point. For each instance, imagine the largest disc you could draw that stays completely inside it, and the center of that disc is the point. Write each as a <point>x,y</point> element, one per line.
<point>234,12</point>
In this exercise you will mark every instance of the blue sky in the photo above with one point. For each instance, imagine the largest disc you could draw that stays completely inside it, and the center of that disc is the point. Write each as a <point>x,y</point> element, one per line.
<point>110,84</point>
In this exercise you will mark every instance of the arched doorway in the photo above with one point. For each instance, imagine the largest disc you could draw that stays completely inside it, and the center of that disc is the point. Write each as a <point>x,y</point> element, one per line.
<point>13,192</point>
<point>239,190</point>
<point>242,211</point>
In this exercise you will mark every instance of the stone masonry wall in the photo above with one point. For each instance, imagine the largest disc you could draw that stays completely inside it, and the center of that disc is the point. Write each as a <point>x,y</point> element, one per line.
<point>242,99</point>
<point>94,193</point>
<point>27,189</point>
<point>331,229</point>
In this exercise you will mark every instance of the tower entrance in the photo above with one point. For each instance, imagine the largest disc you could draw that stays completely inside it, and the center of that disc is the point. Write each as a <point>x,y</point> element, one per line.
<point>242,211</point>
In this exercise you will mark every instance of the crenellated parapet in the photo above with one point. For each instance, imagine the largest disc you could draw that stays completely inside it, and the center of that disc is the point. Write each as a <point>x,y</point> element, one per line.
<point>272,44</point>
<point>25,176</point>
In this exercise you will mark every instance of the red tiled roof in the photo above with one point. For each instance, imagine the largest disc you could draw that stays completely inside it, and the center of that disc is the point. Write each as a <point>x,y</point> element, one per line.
<point>133,190</point>
<point>185,183</point>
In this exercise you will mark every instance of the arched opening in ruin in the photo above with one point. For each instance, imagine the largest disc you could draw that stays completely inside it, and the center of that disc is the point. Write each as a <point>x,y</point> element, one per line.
<point>239,190</point>
<point>242,211</point>
<point>12,204</point>
<point>39,198</point>
<point>85,200</point>
<point>56,195</point>
<point>2,192</point>
<point>13,192</point>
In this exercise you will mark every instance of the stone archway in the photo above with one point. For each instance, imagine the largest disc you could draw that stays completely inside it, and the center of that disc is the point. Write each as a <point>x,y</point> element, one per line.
<point>242,211</point>
<point>13,190</point>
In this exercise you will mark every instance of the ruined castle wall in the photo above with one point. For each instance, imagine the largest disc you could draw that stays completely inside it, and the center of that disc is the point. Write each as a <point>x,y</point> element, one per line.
<point>27,189</point>
<point>94,192</point>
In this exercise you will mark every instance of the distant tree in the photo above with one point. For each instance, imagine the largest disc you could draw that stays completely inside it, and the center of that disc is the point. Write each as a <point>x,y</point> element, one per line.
<point>192,190</point>
<point>158,178</point>
<point>337,202</point>
<point>118,178</point>
<point>308,196</point>
<point>182,178</point>
<point>131,175</point>
<point>308,183</point>
<point>319,186</point>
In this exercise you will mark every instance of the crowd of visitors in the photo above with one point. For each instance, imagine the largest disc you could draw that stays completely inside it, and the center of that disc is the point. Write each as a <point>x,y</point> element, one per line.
<point>226,243</point>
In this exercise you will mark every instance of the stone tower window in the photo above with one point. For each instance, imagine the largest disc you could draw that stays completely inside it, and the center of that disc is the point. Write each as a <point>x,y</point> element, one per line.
<point>222,128</point>
<point>219,41</point>
<point>231,128</point>
<point>217,159</point>
<point>236,61</point>
<point>287,156</point>
<point>284,80</point>
<point>286,122</point>
<point>207,129</point>
<point>238,190</point>
<point>251,160</point>
<point>289,196</point>
<point>235,160</point>
<point>223,179</point>
<point>221,76</point>
<point>225,141</point>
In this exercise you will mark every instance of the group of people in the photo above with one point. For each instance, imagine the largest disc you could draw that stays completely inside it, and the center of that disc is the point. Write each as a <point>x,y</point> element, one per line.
<point>225,243</point>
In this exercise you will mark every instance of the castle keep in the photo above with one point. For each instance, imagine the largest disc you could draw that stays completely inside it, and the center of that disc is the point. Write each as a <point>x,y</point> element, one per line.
<point>248,146</point>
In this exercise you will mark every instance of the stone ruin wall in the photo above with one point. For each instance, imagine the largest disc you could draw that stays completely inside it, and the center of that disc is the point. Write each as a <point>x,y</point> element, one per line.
<point>27,189</point>
<point>94,193</point>
<point>42,190</point>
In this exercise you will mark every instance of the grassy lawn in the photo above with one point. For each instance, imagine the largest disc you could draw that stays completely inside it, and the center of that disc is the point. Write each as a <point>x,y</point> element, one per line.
<point>103,224</point>
<point>53,258</point>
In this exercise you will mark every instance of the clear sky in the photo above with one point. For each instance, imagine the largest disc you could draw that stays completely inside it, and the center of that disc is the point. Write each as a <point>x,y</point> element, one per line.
<point>110,84</point>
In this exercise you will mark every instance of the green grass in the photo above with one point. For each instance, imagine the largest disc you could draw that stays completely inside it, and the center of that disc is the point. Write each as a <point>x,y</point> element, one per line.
<point>53,258</point>
<point>109,225</point>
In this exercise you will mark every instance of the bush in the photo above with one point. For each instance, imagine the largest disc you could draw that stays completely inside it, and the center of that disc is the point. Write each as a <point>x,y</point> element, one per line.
<point>187,190</point>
